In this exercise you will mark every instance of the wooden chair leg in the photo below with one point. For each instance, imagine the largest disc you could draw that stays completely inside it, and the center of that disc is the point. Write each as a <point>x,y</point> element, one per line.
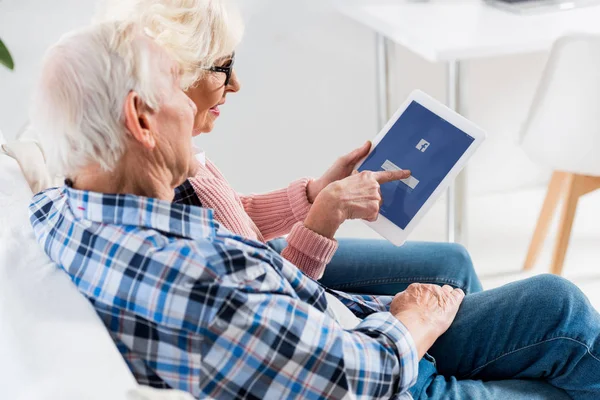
<point>573,191</point>
<point>576,186</point>
<point>541,230</point>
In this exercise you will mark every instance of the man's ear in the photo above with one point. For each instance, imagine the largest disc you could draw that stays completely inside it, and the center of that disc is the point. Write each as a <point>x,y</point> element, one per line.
<point>138,120</point>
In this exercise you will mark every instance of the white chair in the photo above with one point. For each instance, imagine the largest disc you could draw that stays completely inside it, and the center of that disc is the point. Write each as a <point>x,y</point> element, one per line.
<point>562,132</point>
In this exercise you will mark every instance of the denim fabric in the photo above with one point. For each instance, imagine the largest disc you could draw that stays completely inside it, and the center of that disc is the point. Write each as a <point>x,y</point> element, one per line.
<point>536,339</point>
<point>506,343</point>
<point>379,267</point>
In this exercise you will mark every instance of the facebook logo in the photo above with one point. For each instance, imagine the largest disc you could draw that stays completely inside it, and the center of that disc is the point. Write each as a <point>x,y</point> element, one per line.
<point>423,145</point>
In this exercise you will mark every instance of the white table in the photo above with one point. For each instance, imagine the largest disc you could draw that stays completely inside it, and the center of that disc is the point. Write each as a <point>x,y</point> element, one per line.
<point>453,31</point>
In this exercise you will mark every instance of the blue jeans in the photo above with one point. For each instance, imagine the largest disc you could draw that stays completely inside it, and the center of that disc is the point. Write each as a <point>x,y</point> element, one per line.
<point>527,340</point>
<point>520,341</point>
<point>379,267</point>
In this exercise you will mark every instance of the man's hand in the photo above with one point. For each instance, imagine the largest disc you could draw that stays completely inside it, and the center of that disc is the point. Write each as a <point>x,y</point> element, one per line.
<point>341,169</point>
<point>427,311</point>
<point>355,197</point>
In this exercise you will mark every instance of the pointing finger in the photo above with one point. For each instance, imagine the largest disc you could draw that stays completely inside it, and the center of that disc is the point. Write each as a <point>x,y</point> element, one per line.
<point>390,176</point>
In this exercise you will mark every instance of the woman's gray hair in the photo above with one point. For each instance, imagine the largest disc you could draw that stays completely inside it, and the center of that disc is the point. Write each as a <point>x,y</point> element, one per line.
<point>196,33</point>
<point>78,105</point>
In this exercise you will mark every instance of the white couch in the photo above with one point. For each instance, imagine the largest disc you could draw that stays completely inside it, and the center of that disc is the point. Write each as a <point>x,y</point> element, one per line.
<point>52,343</point>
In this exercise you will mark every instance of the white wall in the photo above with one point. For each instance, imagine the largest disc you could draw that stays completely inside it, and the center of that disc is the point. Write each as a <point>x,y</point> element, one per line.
<point>28,28</point>
<point>308,91</point>
<point>307,96</point>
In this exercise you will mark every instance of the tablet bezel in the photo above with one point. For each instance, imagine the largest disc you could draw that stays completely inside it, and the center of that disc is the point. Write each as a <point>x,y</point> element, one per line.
<point>386,227</point>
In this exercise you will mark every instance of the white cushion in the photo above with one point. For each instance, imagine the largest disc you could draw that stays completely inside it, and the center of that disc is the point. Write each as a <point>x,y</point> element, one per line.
<point>146,393</point>
<point>52,343</point>
<point>32,161</point>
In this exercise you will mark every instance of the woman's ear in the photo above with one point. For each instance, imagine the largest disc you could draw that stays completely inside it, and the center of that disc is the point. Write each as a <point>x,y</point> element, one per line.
<point>139,121</point>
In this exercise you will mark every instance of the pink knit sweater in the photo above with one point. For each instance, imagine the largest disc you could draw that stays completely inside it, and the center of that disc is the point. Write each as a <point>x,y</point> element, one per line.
<point>267,216</point>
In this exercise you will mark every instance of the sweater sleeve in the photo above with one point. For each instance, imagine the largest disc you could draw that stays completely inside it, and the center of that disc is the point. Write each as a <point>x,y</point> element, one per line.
<point>275,213</point>
<point>309,251</point>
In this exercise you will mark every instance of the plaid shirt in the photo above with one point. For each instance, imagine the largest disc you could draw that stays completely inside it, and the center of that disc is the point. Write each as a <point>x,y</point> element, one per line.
<point>192,306</point>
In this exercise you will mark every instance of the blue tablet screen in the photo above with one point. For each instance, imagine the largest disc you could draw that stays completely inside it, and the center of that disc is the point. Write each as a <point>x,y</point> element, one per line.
<point>424,143</point>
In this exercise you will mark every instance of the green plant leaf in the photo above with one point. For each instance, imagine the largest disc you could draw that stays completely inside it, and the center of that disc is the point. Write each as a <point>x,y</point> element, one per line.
<point>5,57</point>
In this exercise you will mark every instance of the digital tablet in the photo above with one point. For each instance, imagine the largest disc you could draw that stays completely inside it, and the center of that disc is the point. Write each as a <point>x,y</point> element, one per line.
<point>434,143</point>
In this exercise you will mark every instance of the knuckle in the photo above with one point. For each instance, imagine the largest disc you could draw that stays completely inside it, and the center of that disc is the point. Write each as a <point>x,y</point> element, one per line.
<point>336,186</point>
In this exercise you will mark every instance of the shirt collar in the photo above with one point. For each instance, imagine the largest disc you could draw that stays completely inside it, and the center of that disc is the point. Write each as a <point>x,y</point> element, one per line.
<point>200,155</point>
<point>124,209</point>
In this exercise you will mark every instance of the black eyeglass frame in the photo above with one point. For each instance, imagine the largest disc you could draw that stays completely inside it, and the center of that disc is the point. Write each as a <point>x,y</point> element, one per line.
<point>226,70</point>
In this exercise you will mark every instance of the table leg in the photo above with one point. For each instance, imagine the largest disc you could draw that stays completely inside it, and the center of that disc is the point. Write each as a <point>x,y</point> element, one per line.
<point>457,193</point>
<point>381,76</point>
<point>457,199</point>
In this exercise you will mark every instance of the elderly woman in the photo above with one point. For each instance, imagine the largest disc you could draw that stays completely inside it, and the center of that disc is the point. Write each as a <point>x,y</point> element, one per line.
<point>194,306</point>
<point>307,210</point>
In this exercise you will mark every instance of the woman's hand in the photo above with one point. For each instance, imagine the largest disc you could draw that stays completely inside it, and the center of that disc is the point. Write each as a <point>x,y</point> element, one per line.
<point>427,311</point>
<point>341,169</point>
<point>355,197</point>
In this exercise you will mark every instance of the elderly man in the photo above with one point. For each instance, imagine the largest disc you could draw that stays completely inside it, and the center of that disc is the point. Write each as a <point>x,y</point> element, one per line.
<point>192,306</point>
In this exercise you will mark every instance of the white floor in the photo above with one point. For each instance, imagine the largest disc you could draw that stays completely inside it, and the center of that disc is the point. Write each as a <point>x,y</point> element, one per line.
<point>500,228</point>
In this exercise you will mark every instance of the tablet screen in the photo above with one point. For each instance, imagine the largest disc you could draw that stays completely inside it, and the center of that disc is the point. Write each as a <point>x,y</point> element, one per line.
<point>424,143</point>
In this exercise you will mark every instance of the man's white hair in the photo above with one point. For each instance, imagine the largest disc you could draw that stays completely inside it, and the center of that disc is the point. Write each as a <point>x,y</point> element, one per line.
<point>78,107</point>
<point>196,33</point>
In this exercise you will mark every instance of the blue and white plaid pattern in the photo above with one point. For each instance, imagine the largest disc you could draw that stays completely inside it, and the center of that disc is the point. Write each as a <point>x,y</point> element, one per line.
<point>194,307</point>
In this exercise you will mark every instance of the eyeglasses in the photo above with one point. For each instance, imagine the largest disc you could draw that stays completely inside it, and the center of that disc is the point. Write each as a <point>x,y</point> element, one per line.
<point>226,69</point>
